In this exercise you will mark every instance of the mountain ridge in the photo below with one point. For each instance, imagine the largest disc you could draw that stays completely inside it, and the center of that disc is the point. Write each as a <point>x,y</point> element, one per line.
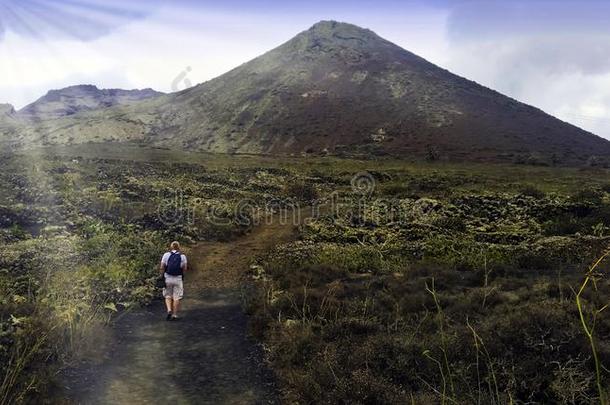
<point>83,97</point>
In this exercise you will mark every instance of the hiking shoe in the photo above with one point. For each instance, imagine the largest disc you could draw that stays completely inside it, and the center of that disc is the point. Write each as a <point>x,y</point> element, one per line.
<point>169,316</point>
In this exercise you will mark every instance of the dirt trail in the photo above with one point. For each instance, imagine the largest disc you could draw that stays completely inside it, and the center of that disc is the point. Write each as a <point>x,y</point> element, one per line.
<point>204,358</point>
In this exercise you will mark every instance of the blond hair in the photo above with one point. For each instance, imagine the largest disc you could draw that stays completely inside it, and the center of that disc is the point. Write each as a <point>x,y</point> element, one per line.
<point>174,245</point>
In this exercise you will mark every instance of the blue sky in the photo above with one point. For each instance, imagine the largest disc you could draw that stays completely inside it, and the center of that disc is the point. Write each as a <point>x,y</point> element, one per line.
<point>552,54</point>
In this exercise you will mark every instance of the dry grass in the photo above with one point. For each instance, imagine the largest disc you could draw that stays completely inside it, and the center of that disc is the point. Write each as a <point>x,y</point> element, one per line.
<point>588,326</point>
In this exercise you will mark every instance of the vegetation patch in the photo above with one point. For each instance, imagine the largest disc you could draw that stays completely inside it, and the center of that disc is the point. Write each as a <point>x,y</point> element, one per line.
<point>425,283</point>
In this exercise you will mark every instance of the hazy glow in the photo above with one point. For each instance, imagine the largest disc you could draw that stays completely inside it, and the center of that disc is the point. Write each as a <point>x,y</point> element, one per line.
<point>554,55</point>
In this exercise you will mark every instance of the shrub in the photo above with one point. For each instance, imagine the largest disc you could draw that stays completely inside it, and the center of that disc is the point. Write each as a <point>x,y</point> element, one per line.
<point>588,195</point>
<point>302,191</point>
<point>565,224</point>
<point>535,261</point>
<point>450,223</point>
<point>533,191</point>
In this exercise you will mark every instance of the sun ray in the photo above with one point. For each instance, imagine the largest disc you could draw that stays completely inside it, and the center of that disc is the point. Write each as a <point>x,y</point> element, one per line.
<point>42,21</point>
<point>13,20</point>
<point>83,20</point>
<point>84,25</point>
<point>88,6</point>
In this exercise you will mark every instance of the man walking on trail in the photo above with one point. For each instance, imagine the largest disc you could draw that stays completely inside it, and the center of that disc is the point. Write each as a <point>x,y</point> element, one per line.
<point>173,266</point>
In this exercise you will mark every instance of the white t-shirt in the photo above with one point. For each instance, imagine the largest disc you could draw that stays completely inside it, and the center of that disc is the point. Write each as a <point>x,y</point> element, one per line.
<point>165,258</point>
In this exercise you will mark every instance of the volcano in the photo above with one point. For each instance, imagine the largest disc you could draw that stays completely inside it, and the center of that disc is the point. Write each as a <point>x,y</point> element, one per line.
<point>334,89</point>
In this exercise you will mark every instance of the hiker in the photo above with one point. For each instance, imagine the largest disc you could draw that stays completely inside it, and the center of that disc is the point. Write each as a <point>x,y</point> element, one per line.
<point>173,266</point>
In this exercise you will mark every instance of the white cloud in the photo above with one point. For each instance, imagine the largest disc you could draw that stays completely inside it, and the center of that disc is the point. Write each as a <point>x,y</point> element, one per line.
<point>150,52</point>
<point>566,76</point>
<point>29,67</point>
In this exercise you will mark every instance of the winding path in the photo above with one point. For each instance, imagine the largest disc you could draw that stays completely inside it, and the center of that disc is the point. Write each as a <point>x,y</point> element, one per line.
<point>206,357</point>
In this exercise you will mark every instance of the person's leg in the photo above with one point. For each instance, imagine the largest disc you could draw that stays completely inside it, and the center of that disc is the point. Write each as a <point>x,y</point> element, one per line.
<point>168,294</point>
<point>168,304</point>
<point>178,293</point>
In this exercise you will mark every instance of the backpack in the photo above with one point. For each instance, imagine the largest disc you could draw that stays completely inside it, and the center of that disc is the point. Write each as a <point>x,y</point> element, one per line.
<point>174,264</point>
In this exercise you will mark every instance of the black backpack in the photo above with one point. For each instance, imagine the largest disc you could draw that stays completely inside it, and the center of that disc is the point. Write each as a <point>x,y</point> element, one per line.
<point>174,264</point>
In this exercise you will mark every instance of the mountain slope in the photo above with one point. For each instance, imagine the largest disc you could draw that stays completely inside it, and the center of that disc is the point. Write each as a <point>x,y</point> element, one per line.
<point>74,99</point>
<point>9,121</point>
<point>337,88</point>
<point>337,84</point>
<point>6,110</point>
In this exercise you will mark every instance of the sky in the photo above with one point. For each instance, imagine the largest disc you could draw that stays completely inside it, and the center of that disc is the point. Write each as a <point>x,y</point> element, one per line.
<point>554,55</point>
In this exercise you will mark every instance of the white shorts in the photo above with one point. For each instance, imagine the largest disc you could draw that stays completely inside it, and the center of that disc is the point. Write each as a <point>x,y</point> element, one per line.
<point>174,288</point>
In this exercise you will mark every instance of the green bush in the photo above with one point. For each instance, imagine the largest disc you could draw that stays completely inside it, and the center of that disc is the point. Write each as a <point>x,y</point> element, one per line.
<point>302,191</point>
<point>533,191</point>
<point>588,195</point>
<point>565,224</point>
